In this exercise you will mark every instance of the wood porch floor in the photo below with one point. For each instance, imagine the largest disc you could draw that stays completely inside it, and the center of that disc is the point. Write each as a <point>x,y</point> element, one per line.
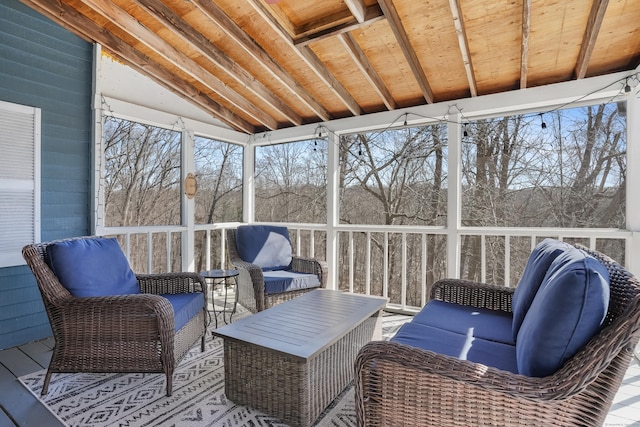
<point>18,407</point>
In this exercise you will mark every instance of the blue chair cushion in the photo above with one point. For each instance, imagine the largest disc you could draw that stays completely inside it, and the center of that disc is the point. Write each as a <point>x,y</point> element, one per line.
<point>565,314</point>
<point>491,325</point>
<point>465,347</point>
<point>185,306</point>
<point>539,262</point>
<point>92,267</point>
<point>266,246</point>
<point>278,281</point>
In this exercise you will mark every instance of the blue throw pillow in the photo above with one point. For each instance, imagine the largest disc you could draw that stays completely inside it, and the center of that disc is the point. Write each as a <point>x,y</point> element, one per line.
<point>92,267</point>
<point>266,246</point>
<point>566,313</point>
<point>539,261</point>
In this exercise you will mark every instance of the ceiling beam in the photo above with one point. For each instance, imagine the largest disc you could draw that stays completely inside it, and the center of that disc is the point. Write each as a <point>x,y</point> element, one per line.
<point>357,8</point>
<point>598,9</point>
<point>361,60</point>
<point>311,59</point>
<point>373,14</point>
<point>182,29</point>
<point>391,13</point>
<point>77,23</point>
<point>458,23</point>
<point>231,29</point>
<point>132,27</point>
<point>524,47</point>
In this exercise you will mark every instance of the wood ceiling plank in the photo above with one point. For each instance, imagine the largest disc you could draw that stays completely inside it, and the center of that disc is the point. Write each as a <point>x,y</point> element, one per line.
<point>324,23</point>
<point>618,45</point>
<point>232,30</point>
<point>373,14</point>
<point>367,69</point>
<point>391,13</point>
<point>312,61</point>
<point>182,29</point>
<point>72,19</point>
<point>458,23</point>
<point>159,46</point>
<point>598,10</point>
<point>358,9</point>
<point>526,32</point>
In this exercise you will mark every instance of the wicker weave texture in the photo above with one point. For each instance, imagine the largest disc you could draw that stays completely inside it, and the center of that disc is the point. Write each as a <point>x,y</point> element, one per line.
<point>294,390</point>
<point>399,385</point>
<point>251,293</point>
<point>124,333</point>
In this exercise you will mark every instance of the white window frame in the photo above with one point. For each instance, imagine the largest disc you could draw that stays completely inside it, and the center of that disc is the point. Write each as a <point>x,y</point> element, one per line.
<point>20,124</point>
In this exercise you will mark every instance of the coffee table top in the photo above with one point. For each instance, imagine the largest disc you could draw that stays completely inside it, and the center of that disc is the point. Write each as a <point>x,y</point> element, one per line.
<point>306,325</point>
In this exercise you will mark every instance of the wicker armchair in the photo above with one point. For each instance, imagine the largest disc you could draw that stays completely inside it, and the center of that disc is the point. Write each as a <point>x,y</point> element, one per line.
<point>398,385</point>
<point>121,333</point>
<point>251,282</point>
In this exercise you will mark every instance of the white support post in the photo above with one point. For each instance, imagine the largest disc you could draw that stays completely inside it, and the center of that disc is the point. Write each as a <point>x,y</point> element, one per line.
<point>248,184</point>
<point>454,211</point>
<point>97,149</point>
<point>633,177</point>
<point>188,205</point>
<point>333,202</point>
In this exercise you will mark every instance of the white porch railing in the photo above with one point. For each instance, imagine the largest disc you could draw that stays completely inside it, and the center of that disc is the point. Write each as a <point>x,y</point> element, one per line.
<point>355,261</point>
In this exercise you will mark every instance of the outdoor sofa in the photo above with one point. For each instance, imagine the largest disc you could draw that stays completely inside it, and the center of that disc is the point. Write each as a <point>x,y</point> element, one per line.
<point>551,352</point>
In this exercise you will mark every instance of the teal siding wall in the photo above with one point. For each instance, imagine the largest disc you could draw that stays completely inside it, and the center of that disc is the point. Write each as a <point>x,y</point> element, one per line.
<point>45,66</point>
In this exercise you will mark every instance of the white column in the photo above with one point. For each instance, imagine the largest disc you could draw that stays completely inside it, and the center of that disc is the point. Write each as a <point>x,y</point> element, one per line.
<point>333,206</point>
<point>188,205</point>
<point>633,177</point>
<point>454,211</point>
<point>97,150</point>
<point>248,183</point>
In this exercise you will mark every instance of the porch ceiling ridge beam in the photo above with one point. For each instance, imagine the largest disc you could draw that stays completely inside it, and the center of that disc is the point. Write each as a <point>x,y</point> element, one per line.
<point>523,101</point>
<point>596,16</point>
<point>135,29</point>
<point>79,24</point>
<point>458,23</point>
<point>182,29</point>
<point>402,37</point>
<point>524,47</point>
<point>311,59</point>
<point>361,60</point>
<point>231,29</point>
<point>373,15</point>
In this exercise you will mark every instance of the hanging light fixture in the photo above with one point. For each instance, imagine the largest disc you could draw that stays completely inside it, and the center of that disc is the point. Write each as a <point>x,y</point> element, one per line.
<point>543,125</point>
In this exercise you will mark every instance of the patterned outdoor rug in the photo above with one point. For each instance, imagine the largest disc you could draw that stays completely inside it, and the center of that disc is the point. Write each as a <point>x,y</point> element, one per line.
<point>198,395</point>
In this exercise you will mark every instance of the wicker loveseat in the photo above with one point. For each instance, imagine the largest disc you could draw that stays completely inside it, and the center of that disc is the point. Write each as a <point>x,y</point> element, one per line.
<point>269,273</point>
<point>145,325</point>
<point>398,383</point>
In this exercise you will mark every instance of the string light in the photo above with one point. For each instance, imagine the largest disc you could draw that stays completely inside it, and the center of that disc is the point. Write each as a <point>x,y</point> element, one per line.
<point>465,133</point>
<point>543,124</point>
<point>627,88</point>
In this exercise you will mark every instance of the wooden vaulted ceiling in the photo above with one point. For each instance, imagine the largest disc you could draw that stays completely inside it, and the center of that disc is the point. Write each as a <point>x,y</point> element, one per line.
<point>259,65</point>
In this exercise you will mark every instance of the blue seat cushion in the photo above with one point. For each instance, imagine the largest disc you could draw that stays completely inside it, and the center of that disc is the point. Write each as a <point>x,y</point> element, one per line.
<point>480,323</point>
<point>539,262</point>
<point>92,267</point>
<point>278,281</point>
<point>565,314</point>
<point>465,347</point>
<point>266,246</point>
<point>185,306</point>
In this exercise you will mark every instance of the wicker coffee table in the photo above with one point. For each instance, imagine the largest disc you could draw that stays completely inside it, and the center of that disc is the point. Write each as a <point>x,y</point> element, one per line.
<point>292,360</point>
